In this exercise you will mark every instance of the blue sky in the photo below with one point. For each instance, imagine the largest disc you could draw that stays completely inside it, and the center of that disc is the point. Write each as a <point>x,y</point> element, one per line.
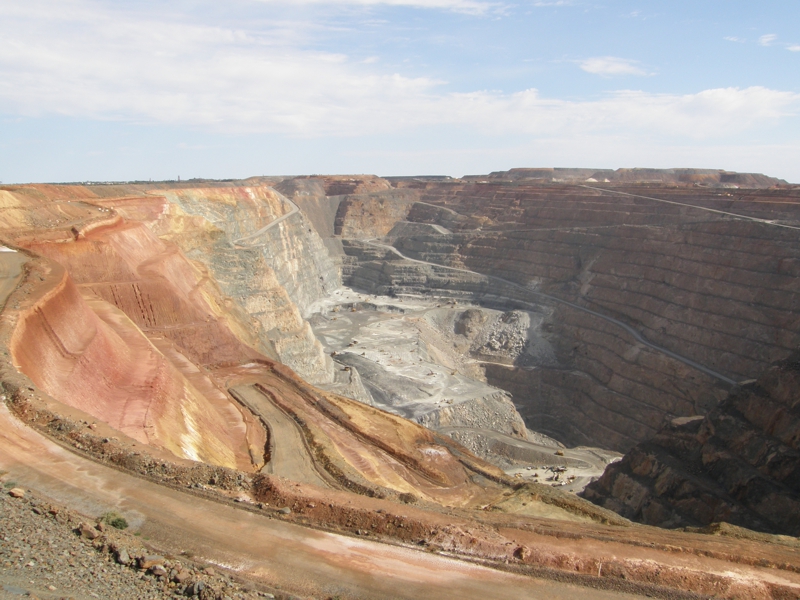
<point>102,90</point>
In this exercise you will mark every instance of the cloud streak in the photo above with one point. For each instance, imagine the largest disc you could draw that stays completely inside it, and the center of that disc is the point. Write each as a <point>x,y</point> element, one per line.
<point>610,66</point>
<point>472,7</point>
<point>766,40</point>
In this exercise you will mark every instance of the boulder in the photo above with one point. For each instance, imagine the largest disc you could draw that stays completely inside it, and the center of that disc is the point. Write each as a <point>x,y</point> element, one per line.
<point>88,531</point>
<point>182,576</point>
<point>158,571</point>
<point>122,556</point>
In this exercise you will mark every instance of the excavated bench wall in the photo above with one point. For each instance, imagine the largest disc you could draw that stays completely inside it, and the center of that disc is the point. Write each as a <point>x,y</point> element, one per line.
<point>718,290</point>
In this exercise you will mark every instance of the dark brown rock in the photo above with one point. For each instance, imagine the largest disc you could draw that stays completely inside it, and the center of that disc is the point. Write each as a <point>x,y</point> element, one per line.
<point>182,576</point>
<point>740,464</point>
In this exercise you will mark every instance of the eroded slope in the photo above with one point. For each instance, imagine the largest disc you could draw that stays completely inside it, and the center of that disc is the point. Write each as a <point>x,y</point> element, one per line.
<point>740,464</point>
<point>123,327</point>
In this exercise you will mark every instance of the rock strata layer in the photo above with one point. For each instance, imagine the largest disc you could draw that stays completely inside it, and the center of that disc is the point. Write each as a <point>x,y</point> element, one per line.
<point>688,260</point>
<point>740,464</point>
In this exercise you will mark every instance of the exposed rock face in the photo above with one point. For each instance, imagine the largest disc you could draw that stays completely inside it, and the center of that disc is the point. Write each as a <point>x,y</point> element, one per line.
<point>714,288</point>
<point>292,249</point>
<point>739,464</point>
<point>273,276</point>
<point>372,215</point>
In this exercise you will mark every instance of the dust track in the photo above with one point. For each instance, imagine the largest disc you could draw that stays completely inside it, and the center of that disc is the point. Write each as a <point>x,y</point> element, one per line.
<point>290,458</point>
<point>298,559</point>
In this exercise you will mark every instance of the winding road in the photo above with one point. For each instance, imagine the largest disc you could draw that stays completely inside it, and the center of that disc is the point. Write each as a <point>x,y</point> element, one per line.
<point>271,224</point>
<point>289,455</point>
<point>630,330</point>
<point>705,208</point>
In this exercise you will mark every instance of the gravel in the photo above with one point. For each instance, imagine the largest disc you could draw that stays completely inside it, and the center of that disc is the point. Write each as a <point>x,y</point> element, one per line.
<point>46,553</point>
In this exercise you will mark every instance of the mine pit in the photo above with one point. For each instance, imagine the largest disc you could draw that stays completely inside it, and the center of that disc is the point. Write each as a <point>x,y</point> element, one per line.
<point>328,375</point>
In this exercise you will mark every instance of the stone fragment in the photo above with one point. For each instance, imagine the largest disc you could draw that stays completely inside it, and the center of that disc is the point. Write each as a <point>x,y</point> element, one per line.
<point>195,588</point>
<point>285,510</point>
<point>87,531</point>
<point>16,493</point>
<point>123,557</point>
<point>181,576</point>
<point>150,561</point>
<point>158,571</point>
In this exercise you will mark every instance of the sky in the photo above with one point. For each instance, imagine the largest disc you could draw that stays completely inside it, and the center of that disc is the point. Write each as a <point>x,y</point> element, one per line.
<point>122,90</point>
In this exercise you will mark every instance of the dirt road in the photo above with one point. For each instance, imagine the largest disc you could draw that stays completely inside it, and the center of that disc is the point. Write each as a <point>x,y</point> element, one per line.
<point>290,457</point>
<point>298,559</point>
<point>635,334</point>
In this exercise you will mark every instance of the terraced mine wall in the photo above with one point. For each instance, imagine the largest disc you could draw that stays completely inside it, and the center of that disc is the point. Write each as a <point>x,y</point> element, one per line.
<point>740,464</point>
<point>715,288</point>
<point>579,398</point>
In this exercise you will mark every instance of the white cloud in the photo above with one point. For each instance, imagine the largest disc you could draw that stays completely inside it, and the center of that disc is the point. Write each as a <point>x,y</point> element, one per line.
<point>473,7</point>
<point>793,48</point>
<point>86,62</point>
<point>611,65</point>
<point>766,40</point>
<point>733,38</point>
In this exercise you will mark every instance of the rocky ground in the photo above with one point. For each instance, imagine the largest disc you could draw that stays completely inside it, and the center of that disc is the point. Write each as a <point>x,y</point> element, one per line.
<point>51,553</point>
<point>739,464</point>
<point>423,358</point>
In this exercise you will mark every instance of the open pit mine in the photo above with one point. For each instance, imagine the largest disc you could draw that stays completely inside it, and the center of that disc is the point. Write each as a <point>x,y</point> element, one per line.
<point>537,383</point>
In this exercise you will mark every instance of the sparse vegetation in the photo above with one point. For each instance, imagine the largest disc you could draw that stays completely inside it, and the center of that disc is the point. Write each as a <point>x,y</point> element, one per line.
<point>115,520</point>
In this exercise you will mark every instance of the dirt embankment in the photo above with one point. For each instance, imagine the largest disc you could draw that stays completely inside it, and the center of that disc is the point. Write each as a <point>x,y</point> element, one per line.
<point>629,558</point>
